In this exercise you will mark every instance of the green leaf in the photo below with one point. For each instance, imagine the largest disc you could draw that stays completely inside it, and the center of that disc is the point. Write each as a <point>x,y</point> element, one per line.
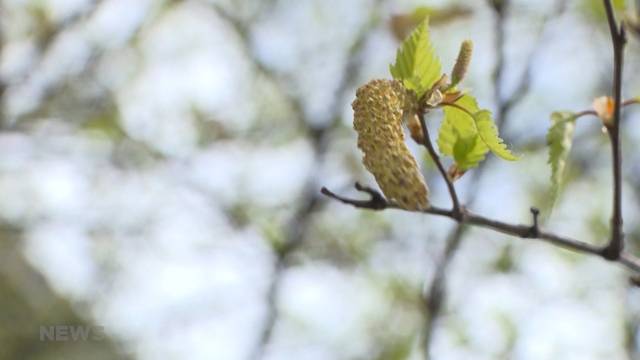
<point>417,65</point>
<point>469,152</point>
<point>488,131</point>
<point>559,140</point>
<point>468,135</point>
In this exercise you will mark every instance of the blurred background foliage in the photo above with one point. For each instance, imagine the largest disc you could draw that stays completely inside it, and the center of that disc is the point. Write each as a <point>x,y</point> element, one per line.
<point>161,163</point>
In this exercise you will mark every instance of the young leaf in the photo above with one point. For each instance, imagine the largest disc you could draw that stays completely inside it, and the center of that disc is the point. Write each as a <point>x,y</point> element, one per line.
<point>468,135</point>
<point>469,152</point>
<point>489,133</point>
<point>559,139</point>
<point>417,65</point>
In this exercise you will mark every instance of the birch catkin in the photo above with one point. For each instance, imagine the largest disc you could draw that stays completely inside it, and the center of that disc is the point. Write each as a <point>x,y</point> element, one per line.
<point>378,113</point>
<point>462,63</point>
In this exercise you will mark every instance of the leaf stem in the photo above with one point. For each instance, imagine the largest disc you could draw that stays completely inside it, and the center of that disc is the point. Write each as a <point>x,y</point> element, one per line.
<point>454,105</point>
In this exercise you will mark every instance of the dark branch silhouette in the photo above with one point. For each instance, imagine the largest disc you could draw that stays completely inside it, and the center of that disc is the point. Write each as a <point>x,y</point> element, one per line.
<point>619,39</point>
<point>378,202</point>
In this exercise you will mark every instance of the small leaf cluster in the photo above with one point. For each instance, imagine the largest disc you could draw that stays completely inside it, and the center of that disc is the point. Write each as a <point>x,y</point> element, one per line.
<point>467,133</point>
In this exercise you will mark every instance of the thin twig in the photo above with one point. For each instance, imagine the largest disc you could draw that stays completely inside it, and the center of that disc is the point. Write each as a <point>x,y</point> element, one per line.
<point>618,38</point>
<point>624,104</point>
<point>524,85</point>
<point>45,44</point>
<point>297,226</point>
<point>378,202</point>
<point>436,159</point>
<point>311,201</point>
<point>537,144</point>
<point>535,226</point>
<point>499,7</point>
<point>435,296</point>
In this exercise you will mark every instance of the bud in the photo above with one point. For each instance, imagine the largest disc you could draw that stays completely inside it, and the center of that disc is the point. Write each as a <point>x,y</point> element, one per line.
<point>434,98</point>
<point>454,172</point>
<point>462,63</point>
<point>415,129</point>
<point>378,112</point>
<point>442,83</point>
<point>452,96</point>
<point>604,107</point>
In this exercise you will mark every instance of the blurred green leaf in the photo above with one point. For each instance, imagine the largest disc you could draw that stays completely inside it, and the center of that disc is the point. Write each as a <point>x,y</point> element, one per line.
<point>504,262</point>
<point>400,349</point>
<point>559,141</point>
<point>106,124</point>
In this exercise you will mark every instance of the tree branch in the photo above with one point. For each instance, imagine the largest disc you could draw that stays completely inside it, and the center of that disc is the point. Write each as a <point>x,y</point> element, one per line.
<point>436,159</point>
<point>311,201</point>
<point>524,85</point>
<point>618,37</point>
<point>45,43</point>
<point>436,294</point>
<point>378,202</point>
<point>499,8</point>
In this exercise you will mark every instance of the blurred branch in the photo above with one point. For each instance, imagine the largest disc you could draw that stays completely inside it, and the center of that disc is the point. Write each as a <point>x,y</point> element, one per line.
<point>619,39</point>
<point>402,24</point>
<point>524,85</point>
<point>243,29</point>
<point>299,222</point>
<point>29,303</point>
<point>51,33</point>
<point>3,83</point>
<point>499,8</point>
<point>435,295</point>
<point>310,201</point>
<point>378,202</point>
<point>45,42</point>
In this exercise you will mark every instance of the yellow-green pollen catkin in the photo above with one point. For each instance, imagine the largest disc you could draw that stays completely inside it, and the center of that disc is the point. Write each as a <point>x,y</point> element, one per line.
<point>462,63</point>
<point>379,108</point>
